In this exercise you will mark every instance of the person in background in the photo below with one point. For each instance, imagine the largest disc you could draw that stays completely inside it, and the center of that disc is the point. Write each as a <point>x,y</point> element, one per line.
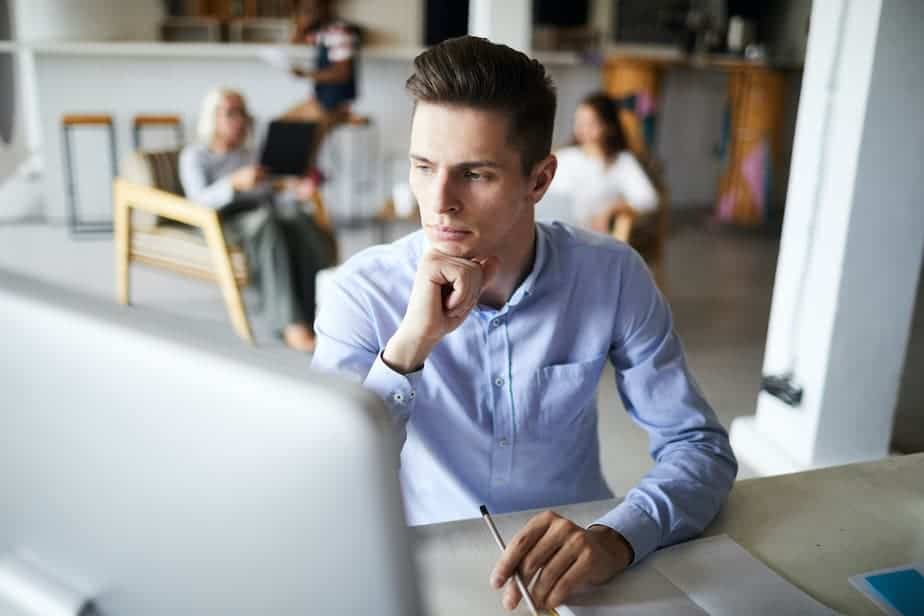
<point>598,172</point>
<point>336,44</point>
<point>285,248</point>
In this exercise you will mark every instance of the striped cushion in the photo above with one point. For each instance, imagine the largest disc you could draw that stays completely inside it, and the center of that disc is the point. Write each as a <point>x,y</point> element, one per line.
<point>165,170</point>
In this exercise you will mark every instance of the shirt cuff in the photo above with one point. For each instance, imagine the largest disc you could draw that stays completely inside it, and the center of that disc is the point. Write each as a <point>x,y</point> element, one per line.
<point>399,391</point>
<point>638,528</point>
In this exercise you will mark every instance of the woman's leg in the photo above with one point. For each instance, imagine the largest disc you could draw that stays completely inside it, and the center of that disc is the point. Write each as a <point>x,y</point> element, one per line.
<point>307,111</point>
<point>312,250</point>
<point>263,238</point>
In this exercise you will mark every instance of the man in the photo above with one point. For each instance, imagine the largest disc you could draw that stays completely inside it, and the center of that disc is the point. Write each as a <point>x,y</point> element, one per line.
<point>486,335</point>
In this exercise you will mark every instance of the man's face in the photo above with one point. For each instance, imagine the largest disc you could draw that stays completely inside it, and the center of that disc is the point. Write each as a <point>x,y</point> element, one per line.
<point>468,180</point>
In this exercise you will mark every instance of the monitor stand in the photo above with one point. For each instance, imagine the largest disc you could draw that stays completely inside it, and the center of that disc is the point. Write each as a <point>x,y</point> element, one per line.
<point>27,590</point>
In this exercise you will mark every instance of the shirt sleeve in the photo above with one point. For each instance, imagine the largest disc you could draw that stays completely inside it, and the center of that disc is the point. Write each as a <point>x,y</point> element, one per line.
<point>635,184</point>
<point>196,184</point>
<point>694,464</point>
<point>347,344</point>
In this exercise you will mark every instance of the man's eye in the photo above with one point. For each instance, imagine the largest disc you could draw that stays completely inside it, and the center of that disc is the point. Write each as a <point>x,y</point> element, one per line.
<point>472,175</point>
<point>422,168</point>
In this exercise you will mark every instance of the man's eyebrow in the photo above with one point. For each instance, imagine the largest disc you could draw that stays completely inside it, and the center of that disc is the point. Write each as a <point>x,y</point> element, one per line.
<point>471,164</point>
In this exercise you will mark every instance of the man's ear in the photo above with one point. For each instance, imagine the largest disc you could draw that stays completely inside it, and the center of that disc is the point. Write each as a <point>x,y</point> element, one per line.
<point>541,177</point>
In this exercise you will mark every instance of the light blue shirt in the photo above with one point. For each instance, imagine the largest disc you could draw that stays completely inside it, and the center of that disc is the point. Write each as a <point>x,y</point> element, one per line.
<point>504,411</point>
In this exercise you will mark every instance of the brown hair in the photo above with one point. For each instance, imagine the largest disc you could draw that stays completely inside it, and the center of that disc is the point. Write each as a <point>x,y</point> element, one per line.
<point>474,72</point>
<point>607,109</point>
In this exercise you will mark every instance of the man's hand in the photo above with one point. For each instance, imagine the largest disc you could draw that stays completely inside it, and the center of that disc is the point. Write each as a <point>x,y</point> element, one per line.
<point>445,291</point>
<point>246,178</point>
<point>570,557</point>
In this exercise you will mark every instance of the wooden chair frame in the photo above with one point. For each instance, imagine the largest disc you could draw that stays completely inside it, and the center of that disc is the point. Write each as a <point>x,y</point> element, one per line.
<point>129,196</point>
<point>624,222</point>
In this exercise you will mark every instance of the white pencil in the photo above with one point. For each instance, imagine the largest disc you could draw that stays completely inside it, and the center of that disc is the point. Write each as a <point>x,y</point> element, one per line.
<point>516,574</point>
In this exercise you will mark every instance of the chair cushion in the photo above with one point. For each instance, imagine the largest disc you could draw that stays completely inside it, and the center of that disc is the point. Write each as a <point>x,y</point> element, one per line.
<point>183,249</point>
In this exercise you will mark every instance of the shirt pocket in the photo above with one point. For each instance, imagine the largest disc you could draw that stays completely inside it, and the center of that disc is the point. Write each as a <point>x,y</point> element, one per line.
<point>563,392</point>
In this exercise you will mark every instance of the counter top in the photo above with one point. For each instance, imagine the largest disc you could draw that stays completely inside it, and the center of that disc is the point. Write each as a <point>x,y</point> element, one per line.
<point>671,55</point>
<point>814,528</point>
<point>238,50</point>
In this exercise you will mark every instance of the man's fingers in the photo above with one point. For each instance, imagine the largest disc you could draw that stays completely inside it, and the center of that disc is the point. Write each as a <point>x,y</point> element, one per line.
<point>569,581</point>
<point>561,562</point>
<point>541,553</point>
<point>465,279</point>
<point>519,546</point>
<point>512,595</point>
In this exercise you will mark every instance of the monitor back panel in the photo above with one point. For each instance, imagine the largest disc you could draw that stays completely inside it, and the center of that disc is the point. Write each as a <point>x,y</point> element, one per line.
<point>159,474</point>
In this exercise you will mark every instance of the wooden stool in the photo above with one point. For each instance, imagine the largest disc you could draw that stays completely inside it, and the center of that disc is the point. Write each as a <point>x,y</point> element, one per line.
<point>143,120</point>
<point>68,123</point>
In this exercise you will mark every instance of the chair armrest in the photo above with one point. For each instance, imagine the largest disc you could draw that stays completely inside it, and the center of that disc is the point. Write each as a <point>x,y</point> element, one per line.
<point>130,195</point>
<point>321,217</point>
<point>622,226</point>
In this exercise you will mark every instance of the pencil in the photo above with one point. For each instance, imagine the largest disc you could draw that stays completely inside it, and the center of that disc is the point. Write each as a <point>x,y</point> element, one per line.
<point>516,574</point>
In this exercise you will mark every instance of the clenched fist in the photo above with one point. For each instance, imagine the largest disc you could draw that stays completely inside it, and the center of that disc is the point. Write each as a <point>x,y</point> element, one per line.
<point>445,291</point>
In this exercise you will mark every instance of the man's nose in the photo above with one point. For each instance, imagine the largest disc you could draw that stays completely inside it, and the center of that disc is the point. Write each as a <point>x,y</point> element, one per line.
<point>443,196</point>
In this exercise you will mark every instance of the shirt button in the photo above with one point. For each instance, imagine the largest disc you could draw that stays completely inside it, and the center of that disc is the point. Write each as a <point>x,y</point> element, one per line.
<point>499,381</point>
<point>399,398</point>
<point>496,322</point>
<point>412,395</point>
<point>503,442</point>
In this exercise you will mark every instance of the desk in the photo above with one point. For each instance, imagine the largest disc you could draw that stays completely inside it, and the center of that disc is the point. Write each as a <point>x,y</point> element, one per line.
<point>815,529</point>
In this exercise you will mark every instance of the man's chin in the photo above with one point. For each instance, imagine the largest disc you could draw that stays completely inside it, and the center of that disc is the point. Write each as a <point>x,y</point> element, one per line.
<point>454,248</point>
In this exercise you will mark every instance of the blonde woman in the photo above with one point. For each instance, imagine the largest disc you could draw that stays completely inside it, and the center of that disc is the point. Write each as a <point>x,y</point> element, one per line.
<point>284,246</point>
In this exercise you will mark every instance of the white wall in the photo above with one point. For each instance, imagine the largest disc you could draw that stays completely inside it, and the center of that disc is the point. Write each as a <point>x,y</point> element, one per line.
<point>389,22</point>
<point>685,145</point>
<point>509,22</point>
<point>88,19</point>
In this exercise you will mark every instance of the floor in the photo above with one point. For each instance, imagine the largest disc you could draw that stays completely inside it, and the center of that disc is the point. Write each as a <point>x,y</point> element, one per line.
<point>719,285</point>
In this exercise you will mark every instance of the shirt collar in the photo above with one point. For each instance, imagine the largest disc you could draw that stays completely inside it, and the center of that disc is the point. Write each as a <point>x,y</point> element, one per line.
<point>539,262</point>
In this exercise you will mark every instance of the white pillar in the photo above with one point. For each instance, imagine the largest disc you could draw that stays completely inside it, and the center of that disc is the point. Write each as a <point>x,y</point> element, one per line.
<point>853,240</point>
<point>503,21</point>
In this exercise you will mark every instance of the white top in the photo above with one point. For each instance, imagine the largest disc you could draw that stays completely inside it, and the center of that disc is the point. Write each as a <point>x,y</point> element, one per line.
<point>593,185</point>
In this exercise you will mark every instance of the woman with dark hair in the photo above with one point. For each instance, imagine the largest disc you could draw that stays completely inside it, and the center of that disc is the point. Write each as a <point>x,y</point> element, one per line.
<point>598,172</point>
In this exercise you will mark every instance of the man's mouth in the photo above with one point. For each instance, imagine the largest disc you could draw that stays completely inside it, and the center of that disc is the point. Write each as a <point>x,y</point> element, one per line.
<point>448,232</point>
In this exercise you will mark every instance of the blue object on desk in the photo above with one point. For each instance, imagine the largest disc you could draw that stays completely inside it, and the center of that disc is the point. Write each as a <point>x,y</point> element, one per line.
<point>903,590</point>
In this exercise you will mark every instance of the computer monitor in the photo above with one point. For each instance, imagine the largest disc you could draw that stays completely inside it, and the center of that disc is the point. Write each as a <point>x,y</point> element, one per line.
<point>154,471</point>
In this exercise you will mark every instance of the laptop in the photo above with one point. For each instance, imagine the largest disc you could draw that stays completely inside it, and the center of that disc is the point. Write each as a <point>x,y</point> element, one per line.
<point>287,146</point>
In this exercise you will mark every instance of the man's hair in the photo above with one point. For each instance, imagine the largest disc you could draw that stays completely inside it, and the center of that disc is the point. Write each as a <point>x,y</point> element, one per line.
<point>474,72</point>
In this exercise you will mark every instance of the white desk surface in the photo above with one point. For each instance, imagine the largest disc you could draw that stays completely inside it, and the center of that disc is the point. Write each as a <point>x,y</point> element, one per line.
<point>815,529</point>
